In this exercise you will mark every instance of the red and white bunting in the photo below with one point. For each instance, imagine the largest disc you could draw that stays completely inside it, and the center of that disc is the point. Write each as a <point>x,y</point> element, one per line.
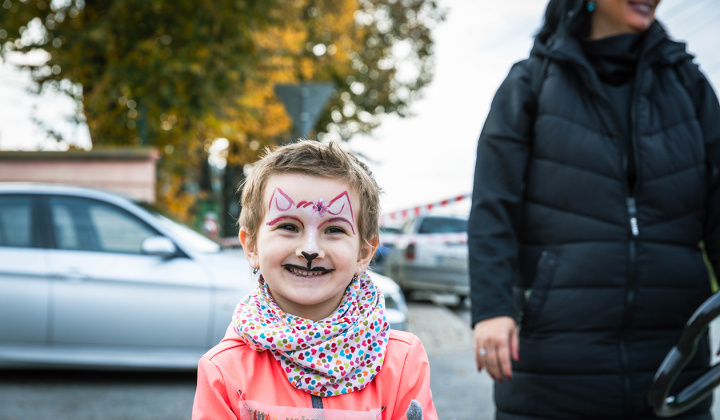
<point>424,238</point>
<point>400,215</point>
<point>231,242</point>
<point>389,238</point>
<point>419,210</point>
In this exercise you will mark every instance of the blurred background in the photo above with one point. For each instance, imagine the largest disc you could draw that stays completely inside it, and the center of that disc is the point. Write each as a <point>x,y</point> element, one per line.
<point>169,103</point>
<point>411,90</point>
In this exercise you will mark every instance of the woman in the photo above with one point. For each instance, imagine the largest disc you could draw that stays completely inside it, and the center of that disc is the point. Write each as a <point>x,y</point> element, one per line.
<point>595,184</point>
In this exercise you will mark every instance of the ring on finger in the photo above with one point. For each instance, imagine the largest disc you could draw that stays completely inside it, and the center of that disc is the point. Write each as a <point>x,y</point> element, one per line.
<point>482,352</point>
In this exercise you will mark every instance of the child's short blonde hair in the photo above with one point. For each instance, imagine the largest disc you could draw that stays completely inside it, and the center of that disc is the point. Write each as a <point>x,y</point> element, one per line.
<point>310,157</point>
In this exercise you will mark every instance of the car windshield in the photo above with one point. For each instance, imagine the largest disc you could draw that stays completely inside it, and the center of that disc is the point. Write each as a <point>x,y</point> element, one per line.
<point>189,236</point>
<point>390,229</point>
<point>443,225</point>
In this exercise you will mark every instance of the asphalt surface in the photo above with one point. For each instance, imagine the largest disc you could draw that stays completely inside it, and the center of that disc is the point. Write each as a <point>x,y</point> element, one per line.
<point>90,395</point>
<point>459,391</point>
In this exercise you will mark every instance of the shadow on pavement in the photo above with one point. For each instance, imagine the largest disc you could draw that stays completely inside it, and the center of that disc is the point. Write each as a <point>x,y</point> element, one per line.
<point>85,395</point>
<point>60,376</point>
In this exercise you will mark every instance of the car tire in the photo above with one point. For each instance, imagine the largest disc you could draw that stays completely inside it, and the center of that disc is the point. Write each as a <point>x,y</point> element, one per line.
<point>462,302</point>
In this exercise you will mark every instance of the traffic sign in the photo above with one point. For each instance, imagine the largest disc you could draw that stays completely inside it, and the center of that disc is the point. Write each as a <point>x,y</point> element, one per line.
<point>304,102</point>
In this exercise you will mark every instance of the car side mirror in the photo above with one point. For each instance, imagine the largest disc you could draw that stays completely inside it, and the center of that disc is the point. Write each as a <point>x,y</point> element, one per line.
<point>159,246</point>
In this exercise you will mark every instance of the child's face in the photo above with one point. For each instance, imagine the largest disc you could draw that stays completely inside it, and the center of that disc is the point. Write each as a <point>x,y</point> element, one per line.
<point>308,245</point>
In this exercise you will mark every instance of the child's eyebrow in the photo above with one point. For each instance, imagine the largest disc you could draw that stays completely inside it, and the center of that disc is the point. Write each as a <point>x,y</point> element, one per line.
<point>338,219</point>
<point>278,219</point>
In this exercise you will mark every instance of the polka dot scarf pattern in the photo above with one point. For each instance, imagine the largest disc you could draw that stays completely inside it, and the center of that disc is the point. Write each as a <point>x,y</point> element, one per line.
<point>336,355</point>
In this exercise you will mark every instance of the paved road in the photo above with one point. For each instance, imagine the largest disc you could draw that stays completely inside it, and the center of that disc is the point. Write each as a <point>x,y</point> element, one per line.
<point>459,391</point>
<point>79,395</point>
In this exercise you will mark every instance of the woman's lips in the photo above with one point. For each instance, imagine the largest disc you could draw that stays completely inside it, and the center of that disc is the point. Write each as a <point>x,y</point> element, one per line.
<point>642,7</point>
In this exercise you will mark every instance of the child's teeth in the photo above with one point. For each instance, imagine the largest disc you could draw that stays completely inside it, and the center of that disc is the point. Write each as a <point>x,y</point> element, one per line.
<point>306,273</point>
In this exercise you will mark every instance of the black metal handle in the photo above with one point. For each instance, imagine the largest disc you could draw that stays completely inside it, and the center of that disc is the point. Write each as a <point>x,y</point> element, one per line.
<point>678,357</point>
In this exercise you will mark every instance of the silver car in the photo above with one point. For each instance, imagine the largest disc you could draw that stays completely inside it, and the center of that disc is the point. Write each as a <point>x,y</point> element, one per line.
<point>90,279</point>
<point>431,254</point>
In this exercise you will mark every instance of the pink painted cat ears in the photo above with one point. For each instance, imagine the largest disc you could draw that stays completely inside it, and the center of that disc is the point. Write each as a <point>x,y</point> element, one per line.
<point>338,206</point>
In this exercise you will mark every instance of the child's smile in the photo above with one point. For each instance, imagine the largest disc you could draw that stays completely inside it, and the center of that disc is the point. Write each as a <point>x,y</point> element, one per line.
<point>308,247</point>
<point>301,271</point>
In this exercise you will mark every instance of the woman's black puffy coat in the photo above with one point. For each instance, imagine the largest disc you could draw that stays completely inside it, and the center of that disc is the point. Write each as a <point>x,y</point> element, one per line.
<point>612,271</point>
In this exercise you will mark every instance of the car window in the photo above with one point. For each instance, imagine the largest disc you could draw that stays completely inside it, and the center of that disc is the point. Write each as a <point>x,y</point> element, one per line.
<point>189,236</point>
<point>15,221</point>
<point>390,229</point>
<point>407,227</point>
<point>89,225</point>
<point>65,230</point>
<point>443,225</point>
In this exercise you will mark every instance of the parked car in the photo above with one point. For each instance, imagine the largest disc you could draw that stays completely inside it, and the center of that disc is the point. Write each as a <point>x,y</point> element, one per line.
<point>90,279</point>
<point>395,306</point>
<point>387,242</point>
<point>431,255</point>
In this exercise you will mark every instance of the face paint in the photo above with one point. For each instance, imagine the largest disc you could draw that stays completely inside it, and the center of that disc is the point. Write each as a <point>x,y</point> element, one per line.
<point>283,207</point>
<point>308,246</point>
<point>339,207</point>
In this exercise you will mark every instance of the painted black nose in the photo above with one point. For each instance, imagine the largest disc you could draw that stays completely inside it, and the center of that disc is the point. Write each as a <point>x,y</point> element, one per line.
<point>309,257</point>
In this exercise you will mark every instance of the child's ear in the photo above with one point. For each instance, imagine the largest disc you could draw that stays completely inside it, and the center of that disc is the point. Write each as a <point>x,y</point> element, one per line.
<point>367,251</point>
<point>249,248</point>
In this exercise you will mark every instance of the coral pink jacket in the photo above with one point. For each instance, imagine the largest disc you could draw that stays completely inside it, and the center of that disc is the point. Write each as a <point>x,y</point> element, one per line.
<point>236,382</point>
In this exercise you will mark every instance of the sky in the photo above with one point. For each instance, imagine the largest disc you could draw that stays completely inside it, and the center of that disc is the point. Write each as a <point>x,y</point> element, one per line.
<point>429,156</point>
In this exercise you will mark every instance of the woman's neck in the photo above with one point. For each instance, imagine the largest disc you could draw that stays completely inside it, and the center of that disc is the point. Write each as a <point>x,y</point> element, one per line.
<point>600,29</point>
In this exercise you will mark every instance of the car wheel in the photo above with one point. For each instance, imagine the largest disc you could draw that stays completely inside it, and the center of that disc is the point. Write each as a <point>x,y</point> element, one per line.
<point>461,302</point>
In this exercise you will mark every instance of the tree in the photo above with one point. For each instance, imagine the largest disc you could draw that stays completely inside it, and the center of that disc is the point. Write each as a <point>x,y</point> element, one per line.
<point>179,74</point>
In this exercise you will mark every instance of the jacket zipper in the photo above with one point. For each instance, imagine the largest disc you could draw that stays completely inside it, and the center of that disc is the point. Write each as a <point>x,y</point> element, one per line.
<point>631,284</point>
<point>629,311</point>
<point>628,152</point>
<point>316,401</point>
<point>630,191</point>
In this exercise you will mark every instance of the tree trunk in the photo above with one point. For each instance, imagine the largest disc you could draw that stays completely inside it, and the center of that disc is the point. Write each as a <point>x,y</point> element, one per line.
<point>230,201</point>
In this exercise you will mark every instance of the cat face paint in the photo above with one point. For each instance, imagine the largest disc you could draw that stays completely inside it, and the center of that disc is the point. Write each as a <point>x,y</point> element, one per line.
<point>338,209</point>
<point>317,213</point>
<point>308,247</point>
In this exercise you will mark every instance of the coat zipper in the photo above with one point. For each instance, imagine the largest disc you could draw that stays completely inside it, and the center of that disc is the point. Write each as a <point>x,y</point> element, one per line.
<point>629,311</point>
<point>628,152</point>
<point>630,190</point>
<point>631,284</point>
<point>316,401</point>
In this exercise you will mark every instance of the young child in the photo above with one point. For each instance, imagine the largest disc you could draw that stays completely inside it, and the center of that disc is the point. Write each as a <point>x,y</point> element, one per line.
<point>312,342</point>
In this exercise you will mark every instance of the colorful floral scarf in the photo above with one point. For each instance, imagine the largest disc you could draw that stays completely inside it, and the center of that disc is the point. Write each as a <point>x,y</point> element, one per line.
<point>336,355</point>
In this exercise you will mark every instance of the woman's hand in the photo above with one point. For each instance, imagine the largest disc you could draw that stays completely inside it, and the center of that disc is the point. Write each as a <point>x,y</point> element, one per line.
<point>496,340</point>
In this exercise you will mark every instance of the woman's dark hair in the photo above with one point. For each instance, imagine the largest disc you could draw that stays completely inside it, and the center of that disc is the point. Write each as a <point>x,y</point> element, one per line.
<point>565,16</point>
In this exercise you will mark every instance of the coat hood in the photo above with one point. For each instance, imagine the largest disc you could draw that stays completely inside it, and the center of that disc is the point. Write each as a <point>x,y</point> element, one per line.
<point>657,48</point>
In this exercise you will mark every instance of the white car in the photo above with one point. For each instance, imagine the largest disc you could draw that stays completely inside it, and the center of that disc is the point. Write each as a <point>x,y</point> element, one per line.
<point>431,254</point>
<point>90,279</point>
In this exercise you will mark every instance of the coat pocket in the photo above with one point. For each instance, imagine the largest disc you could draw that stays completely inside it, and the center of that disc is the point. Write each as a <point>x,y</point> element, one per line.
<point>536,295</point>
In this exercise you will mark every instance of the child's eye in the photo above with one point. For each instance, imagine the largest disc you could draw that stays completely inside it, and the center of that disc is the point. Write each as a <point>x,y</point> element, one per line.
<point>288,227</point>
<point>334,229</point>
